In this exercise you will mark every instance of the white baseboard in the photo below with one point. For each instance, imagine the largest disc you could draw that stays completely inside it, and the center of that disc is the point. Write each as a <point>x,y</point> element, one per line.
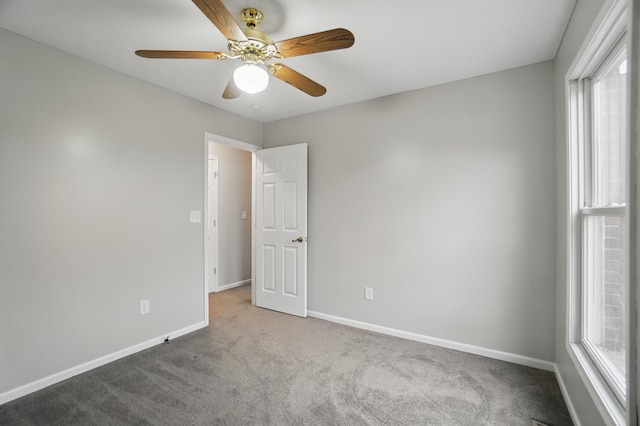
<point>567,398</point>
<point>463,347</point>
<point>23,390</point>
<point>232,285</point>
<point>477,350</point>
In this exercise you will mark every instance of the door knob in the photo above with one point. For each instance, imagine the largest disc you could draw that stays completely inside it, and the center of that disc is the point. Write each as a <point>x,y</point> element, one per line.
<point>297,240</point>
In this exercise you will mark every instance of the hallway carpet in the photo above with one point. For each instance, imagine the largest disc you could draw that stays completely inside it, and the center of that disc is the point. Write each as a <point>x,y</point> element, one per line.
<point>253,366</point>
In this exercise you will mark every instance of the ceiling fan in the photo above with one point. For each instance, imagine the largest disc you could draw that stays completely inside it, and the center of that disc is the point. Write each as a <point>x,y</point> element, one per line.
<point>256,50</point>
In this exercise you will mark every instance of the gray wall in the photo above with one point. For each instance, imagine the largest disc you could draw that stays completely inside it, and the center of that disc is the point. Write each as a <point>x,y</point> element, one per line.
<point>443,200</point>
<point>98,172</point>
<point>234,233</point>
<point>583,17</point>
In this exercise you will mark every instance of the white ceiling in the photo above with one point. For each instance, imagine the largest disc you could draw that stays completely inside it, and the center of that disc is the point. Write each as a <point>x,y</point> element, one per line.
<point>400,45</point>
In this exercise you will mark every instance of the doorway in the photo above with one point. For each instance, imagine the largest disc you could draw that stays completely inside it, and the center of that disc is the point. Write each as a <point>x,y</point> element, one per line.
<point>228,215</point>
<point>230,231</point>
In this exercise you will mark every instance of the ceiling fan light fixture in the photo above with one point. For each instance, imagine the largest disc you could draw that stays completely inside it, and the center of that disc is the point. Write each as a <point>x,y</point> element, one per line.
<point>251,78</point>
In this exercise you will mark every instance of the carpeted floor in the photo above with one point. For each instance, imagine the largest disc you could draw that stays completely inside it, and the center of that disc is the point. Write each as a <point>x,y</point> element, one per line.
<point>254,366</point>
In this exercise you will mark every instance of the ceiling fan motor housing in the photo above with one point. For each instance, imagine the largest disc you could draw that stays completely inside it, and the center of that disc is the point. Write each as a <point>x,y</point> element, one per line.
<point>257,48</point>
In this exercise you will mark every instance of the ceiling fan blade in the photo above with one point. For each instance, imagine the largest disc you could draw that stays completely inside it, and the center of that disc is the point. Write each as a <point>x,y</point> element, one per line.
<point>231,91</point>
<point>220,16</point>
<point>338,38</point>
<point>298,80</point>
<point>181,54</point>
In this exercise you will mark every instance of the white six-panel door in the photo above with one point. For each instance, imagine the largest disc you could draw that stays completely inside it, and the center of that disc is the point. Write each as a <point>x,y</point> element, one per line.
<point>281,229</point>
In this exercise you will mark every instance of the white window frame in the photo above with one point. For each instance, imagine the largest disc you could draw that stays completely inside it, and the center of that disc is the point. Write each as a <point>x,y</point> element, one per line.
<point>602,42</point>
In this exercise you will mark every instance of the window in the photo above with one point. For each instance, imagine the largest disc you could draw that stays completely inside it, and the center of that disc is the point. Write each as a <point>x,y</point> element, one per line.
<point>599,255</point>
<point>603,216</point>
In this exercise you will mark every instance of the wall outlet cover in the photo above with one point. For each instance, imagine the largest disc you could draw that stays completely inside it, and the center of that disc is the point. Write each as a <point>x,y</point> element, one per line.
<point>145,307</point>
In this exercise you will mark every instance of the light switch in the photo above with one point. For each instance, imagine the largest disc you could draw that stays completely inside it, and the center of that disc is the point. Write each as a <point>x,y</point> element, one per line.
<point>244,215</point>
<point>195,216</point>
<point>368,293</point>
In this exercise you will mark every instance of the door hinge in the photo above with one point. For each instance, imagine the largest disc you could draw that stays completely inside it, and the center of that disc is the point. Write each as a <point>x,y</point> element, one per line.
<point>215,270</point>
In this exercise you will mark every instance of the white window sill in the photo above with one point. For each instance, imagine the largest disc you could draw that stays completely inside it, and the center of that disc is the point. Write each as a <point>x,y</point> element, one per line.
<point>608,405</point>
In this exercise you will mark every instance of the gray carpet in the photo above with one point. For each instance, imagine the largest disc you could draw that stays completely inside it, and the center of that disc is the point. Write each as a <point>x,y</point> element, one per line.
<point>254,366</point>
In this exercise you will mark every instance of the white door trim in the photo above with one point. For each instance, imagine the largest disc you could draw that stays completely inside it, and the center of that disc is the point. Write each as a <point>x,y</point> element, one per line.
<point>212,234</point>
<point>212,137</point>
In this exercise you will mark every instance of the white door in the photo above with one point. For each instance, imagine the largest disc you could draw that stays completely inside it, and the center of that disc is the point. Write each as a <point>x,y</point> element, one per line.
<point>281,229</point>
<point>212,231</point>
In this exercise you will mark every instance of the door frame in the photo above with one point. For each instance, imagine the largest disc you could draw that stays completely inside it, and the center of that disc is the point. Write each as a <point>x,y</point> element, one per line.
<point>245,146</point>
<point>213,241</point>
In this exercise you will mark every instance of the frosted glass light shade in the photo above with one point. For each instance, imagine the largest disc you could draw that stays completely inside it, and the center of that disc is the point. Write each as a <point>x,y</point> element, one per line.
<point>251,78</point>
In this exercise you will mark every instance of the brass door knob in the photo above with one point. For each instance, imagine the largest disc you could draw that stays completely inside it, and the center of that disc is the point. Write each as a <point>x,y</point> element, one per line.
<point>297,240</point>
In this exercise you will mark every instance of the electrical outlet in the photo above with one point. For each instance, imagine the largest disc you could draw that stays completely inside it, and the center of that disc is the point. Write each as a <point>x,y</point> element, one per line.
<point>145,307</point>
<point>368,293</point>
